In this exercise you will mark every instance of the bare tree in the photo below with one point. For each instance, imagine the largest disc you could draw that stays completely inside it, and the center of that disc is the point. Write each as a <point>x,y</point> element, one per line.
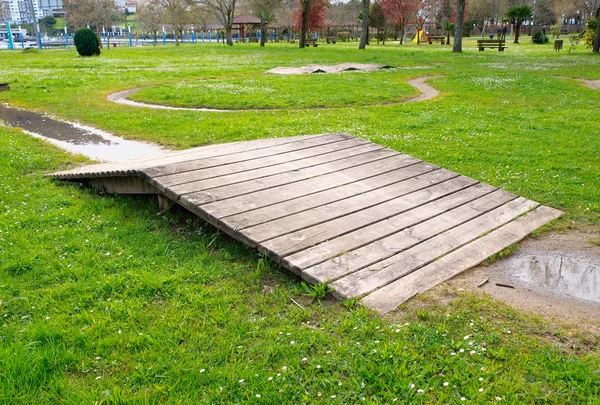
<point>305,10</point>
<point>92,13</point>
<point>364,26</point>
<point>223,10</point>
<point>265,10</point>
<point>150,16</point>
<point>176,14</point>
<point>459,26</point>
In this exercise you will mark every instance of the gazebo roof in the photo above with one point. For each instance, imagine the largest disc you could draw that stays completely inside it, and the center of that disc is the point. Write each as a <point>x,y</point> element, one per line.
<point>246,19</point>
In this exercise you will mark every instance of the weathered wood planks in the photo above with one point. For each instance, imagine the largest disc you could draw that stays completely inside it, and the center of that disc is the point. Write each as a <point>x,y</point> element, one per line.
<point>372,222</point>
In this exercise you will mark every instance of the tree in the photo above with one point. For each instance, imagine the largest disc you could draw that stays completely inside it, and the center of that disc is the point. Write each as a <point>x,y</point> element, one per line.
<point>93,13</point>
<point>400,12</point>
<point>517,15</point>
<point>377,20</point>
<point>176,14</point>
<point>448,28</point>
<point>313,19</point>
<point>459,26</point>
<point>47,23</point>
<point>265,10</point>
<point>364,26</point>
<point>150,16</point>
<point>597,41</point>
<point>223,10</point>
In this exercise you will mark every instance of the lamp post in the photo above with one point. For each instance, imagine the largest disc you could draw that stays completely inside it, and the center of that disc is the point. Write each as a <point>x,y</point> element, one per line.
<point>9,35</point>
<point>164,36</point>
<point>21,36</point>
<point>66,36</point>
<point>129,31</point>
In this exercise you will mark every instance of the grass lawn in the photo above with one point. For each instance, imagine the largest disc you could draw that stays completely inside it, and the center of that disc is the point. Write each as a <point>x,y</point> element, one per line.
<point>105,299</point>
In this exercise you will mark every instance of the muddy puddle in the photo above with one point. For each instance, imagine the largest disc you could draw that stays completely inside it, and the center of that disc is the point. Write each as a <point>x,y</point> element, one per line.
<point>557,275</point>
<point>570,274</point>
<point>76,138</point>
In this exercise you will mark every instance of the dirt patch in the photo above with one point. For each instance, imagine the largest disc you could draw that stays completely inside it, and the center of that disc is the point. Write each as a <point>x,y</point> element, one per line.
<point>592,84</point>
<point>342,67</point>
<point>77,138</point>
<point>557,277</point>
<point>427,92</point>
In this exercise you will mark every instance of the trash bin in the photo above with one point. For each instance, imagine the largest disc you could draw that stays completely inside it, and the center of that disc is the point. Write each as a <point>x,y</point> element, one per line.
<point>558,44</point>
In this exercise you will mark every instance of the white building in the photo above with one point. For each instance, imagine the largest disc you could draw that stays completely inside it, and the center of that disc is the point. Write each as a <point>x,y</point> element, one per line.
<point>20,11</point>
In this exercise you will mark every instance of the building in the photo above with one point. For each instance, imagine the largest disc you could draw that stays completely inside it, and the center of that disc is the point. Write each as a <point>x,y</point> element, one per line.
<point>49,7</point>
<point>20,11</point>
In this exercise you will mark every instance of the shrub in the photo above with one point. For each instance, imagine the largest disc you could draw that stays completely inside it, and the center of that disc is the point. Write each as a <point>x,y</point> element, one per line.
<point>589,36</point>
<point>86,42</point>
<point>539,37</point>
<point>343,35</point>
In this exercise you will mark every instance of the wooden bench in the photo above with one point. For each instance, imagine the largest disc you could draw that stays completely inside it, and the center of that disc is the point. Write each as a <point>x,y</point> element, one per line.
<point>491,43</point>
<point>437,38</point>
<point>310,42</point>
<point>331,40</point>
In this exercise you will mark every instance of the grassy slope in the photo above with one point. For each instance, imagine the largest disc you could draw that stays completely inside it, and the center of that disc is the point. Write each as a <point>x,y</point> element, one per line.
<point>104,298</point>
<point>512,119</point>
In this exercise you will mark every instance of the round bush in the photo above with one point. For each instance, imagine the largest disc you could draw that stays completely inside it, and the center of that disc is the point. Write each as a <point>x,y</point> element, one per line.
<point>86,42</point>
<point>539,37</point>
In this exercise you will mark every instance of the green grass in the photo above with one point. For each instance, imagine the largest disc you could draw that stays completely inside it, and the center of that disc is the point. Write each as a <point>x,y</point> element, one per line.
<point>514,119</point>
<point>280,91</point>
<point>104,298</point>
<point>107,299</point>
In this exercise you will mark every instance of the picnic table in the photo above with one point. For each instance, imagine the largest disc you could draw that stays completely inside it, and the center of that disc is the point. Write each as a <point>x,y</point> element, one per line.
<point>437,38</point>
<point>311,41</point>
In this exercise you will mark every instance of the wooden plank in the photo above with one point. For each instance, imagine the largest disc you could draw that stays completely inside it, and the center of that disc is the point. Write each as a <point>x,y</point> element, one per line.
<point>130,166</point>
<point>318,162</point>
<point>253,157</point>
<point>407,261</point>
<point>296,241</point>
<point>328,212</point>
<point>391,296</point>
<point>269,213</point>
<point>266,198</point>
<point>341,256</point>
<point>234,190</point>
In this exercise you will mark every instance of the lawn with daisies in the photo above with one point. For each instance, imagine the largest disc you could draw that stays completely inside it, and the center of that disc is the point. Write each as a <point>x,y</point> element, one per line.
<point>110,300</point>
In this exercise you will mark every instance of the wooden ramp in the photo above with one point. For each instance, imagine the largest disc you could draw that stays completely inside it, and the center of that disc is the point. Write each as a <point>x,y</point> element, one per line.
<point>371,222</point>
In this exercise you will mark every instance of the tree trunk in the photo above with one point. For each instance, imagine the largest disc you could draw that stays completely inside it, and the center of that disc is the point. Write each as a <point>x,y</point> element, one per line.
<point>155,37</point>
<point>517,32</point>
<point>176,38</point>
<point>263,31</point>
<point>228,35</point>
<point>597,41</point>
<point>304,22</point>
<point>459,26</point>
<point>364,34</point>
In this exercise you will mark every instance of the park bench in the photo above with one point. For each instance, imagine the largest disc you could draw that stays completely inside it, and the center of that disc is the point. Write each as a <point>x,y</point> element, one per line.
<point>437,38</point>
<point>331,40</point>
<point>491,43</point>
<point>311,41</point>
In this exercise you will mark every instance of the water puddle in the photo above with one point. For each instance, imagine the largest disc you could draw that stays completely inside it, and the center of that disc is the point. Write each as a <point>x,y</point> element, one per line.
<point>76,138</point>
<point>572,274</point>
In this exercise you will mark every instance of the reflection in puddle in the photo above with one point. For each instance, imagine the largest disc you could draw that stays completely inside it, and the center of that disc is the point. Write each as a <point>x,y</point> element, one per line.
<point>574,274</point>
<point>76,138</point>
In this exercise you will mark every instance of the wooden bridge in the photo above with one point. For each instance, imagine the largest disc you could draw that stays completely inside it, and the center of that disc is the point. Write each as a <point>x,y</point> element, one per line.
<point>371,222</point>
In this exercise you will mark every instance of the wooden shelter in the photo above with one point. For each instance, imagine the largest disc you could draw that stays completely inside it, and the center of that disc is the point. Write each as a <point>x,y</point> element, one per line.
<point>244,21</point>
